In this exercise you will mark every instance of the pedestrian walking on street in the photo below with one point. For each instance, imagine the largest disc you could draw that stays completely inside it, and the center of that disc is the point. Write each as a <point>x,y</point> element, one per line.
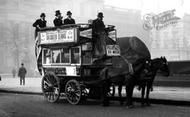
<point>21,73</point>
<point>14,72</point>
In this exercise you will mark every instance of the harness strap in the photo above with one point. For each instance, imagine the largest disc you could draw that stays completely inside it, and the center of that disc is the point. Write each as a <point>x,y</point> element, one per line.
<point>131,71</point>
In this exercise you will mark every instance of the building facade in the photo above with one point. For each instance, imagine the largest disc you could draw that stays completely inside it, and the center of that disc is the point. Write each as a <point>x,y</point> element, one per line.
<point>172,41</point>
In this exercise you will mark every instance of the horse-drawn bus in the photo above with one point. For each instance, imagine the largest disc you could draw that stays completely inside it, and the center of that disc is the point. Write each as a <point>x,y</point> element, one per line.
<point>66,62</point>
<point>65,59</point>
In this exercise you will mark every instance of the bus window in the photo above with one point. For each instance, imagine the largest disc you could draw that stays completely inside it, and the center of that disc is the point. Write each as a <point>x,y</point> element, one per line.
<point>65,55</point>
<point>75,55</point>
<point>47,56</point>
<point>56,56</point>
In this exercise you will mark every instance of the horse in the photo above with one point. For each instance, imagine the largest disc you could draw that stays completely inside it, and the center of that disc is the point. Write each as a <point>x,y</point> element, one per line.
<point>146,79</point>
<point>131,80</point>
<point>144,74</point>
<point>120,77</point>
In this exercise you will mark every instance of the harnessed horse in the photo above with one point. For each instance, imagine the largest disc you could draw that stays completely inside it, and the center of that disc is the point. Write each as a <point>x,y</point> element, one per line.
<point>146,79</point>
<point>122,77</point>
<point>144,74</point>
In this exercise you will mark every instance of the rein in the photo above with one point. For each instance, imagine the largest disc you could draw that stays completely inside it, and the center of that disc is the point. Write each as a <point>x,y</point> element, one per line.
<point>129,65</point>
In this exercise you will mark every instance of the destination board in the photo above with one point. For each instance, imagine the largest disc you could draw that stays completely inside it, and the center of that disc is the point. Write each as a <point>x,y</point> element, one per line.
<point>113,50</point>
<point>58,36</point>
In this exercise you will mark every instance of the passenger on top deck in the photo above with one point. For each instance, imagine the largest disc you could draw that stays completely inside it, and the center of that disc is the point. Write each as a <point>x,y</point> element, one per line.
<point>40,23</point>
<point>69,19</point>
<point>58,19</point>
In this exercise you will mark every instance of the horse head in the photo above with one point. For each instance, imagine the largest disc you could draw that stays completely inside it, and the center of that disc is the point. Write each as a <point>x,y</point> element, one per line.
<point>161,64</point>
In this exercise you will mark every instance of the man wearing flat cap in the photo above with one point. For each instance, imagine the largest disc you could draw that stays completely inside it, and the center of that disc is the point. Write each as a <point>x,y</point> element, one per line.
<point>40,23</point>
<point>58,19</point>
<point>69,19</point>
<point>98,34</point>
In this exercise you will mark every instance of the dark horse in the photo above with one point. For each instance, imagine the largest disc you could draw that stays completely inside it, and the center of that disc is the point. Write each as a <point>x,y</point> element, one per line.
<point>144,74</point>
<point>119,77</point>
<point>146,79</point>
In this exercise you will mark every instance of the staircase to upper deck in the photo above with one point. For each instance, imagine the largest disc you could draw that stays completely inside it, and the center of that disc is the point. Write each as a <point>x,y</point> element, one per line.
<point>38,53</point>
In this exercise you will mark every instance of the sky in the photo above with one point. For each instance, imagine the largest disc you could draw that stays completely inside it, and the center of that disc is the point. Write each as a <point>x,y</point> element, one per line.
<point>154,6</point>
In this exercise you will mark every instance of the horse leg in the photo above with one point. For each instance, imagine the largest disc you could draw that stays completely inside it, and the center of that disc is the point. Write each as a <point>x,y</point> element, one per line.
<point>104,94</point>
<point>151,83</point>
<point>129,92</point>
<point>142,94</point>
<point>128,97</point>
<point>149,86</point>
<point>120,95</point>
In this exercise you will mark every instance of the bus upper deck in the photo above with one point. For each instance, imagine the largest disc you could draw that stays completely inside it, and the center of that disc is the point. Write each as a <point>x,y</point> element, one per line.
<point>71,45</point>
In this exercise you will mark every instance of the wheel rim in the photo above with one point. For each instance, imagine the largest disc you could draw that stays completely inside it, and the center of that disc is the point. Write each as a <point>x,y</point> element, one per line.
<point>73,92</point>
<point>50,88</point>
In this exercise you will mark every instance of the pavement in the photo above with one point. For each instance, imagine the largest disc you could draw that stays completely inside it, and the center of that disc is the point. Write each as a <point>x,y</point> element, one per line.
<point>161,94</point>
<point>32,85</point>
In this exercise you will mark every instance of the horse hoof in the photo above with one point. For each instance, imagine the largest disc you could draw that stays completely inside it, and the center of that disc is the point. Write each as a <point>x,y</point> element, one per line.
<point>105,104</point>
<point>130,106</point>
<point>148,104</point>
<point>121,103</point>
<point>142,105</point>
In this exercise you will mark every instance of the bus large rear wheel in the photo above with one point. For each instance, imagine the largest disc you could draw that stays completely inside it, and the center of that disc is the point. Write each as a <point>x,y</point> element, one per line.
<point>51,87</point>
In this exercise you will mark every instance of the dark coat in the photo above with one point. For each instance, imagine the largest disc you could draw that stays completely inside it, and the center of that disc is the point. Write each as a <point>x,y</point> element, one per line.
<point>97,26</point>
<point>58,22</point>
<point>39,22</point>
<point>22,72</point>
<point>99,38</point>
<point>69,21</point>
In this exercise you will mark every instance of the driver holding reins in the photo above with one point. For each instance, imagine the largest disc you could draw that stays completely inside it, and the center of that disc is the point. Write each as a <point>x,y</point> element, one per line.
<point>98,34</point>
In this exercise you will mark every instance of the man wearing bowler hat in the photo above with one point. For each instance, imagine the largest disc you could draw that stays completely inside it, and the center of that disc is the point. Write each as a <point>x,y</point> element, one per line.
<point>58,19</point>
<point>69,19</point>
<point>40,23</point>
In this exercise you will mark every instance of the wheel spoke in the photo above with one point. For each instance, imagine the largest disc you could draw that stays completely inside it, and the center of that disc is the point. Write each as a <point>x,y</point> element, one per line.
<point>77,94</point>
<point>47,79</point>
<point>46,83</point>
<point>77,91</point>
<point>46,86</point>
<point>53,95</point>
<point>49,95</point>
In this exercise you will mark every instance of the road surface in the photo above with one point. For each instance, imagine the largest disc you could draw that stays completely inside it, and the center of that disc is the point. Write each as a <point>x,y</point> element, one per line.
<point>22,105</point>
